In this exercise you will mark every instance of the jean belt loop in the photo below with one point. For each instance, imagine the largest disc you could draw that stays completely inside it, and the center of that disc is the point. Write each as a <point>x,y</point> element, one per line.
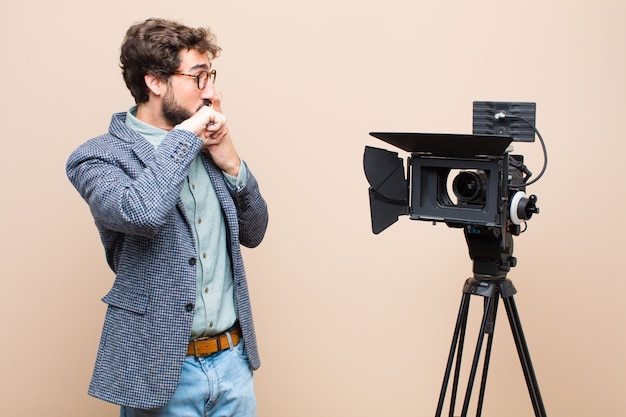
<point>230,340</point>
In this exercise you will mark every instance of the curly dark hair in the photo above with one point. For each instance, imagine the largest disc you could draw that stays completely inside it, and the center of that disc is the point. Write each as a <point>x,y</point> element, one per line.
<point>152,47</point>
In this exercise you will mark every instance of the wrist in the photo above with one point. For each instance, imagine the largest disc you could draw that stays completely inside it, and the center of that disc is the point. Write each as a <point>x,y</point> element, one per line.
<point>233,169</point>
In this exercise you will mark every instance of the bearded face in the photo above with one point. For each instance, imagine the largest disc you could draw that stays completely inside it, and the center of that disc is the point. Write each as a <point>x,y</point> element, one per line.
<point>174,112</point>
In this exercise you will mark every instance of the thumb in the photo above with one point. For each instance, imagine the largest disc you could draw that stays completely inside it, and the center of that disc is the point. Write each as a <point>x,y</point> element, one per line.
<point>217,103</point>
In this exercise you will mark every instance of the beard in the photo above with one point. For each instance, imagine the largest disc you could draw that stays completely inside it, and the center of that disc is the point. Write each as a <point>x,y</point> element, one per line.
<point>173,112</point>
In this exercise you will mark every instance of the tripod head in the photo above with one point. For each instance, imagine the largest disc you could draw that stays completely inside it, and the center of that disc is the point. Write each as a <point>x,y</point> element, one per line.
<point>491,248</point>
<point>491,251</point>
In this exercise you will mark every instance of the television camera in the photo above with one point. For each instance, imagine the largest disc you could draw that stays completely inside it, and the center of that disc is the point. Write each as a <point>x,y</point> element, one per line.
<point>472,182</point>
<point>466,181</point>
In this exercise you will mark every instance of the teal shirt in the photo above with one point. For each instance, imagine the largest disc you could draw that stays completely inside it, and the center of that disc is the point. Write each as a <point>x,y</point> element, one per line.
<point>215,307</point>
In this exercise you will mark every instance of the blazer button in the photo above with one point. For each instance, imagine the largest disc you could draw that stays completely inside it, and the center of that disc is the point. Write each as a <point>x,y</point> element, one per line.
<point>189,307</point>
<point>192,261</point>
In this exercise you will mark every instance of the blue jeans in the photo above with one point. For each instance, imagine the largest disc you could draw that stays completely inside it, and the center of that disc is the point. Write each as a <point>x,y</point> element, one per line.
<point>217,385</point>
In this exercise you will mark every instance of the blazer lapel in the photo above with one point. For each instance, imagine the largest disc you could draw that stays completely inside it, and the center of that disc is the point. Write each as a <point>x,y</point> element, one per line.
<point>142,149</point>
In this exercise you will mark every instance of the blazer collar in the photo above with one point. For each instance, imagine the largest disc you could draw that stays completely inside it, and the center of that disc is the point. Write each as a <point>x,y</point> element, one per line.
<point>140,146</point>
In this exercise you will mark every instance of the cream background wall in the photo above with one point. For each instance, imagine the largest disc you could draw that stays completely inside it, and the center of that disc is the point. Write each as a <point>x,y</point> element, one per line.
<point>349,323</point>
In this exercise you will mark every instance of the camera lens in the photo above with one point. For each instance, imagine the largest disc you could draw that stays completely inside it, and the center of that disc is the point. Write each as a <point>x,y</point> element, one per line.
<point>469,187</point>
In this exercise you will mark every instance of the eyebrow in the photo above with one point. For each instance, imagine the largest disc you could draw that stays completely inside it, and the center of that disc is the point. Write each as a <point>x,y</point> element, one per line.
<point>200,66</point>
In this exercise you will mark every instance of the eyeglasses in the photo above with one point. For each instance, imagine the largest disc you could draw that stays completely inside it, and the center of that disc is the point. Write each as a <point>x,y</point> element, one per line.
<point>202,78</point>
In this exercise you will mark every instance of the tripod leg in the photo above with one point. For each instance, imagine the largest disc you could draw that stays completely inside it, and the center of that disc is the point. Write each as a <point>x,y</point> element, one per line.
<point>459,335</point>
<point>459,359</point>
<point>490,330</point>
<point>524,355</point>
<point>490,305</point>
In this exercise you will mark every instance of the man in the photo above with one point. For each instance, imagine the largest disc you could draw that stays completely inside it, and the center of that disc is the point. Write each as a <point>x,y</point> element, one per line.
<point>172,202</point>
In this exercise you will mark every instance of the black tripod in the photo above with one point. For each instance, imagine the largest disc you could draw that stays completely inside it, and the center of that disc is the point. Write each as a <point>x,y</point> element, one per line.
<point>490,282</point>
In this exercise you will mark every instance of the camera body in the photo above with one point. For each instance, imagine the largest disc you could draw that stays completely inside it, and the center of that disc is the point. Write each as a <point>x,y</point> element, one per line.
<point>462,180</point>
<point>458,190</point>
<point>456,179</point>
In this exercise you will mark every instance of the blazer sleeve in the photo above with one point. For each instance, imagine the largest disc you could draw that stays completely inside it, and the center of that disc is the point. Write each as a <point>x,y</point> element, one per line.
<point>129,186</point>
<point>252,212</point>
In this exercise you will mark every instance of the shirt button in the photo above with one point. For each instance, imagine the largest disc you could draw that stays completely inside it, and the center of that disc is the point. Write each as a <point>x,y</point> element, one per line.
<point>199,221</point>
<point>211,324</point>
<point>189,307</point>
<point>206,289</point>
<point>204,255</point>
<point>192,261</point>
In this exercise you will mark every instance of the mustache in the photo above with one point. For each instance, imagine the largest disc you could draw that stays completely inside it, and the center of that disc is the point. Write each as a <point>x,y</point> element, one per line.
<point>205,102</point>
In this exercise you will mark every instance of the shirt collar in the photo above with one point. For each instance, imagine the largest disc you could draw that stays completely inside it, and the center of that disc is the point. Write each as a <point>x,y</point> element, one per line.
<point>153,134</point>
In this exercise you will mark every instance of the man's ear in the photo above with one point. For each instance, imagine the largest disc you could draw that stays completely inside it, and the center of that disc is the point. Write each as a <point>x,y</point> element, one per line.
<point>156,85</point>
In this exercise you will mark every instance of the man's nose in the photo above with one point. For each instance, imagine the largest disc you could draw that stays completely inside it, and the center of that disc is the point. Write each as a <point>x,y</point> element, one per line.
<point>208,92</point>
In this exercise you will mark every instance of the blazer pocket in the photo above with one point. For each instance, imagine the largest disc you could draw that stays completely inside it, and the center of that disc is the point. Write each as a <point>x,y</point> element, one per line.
<point>127,299</point>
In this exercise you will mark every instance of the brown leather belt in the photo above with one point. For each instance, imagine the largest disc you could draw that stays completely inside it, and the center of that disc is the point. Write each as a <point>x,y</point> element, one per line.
<point>205,346</point>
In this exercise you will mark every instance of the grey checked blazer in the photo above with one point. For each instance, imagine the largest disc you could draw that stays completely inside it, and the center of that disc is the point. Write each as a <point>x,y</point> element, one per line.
<point>133,192</point>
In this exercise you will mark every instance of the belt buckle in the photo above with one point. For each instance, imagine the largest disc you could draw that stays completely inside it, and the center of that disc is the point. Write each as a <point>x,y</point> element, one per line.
<point>195,346</point>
